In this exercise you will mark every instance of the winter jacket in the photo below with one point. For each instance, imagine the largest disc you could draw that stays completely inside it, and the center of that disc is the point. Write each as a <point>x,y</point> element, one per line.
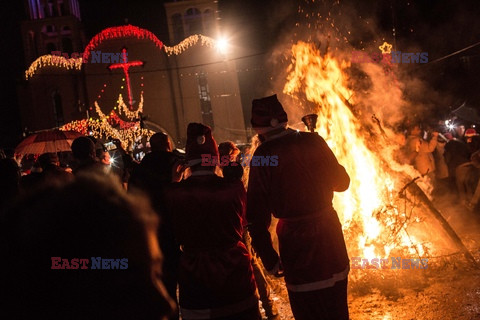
<point>215,275</point>
<point>299,191</point>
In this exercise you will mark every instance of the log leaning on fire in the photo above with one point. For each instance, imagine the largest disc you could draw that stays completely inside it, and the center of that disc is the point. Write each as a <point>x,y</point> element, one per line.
<point>415,189</point>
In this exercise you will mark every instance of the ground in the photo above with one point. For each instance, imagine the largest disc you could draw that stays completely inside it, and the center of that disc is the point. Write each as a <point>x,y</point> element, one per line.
<point>449,289</point>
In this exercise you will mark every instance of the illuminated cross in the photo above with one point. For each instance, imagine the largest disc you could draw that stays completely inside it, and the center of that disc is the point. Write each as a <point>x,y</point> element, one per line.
<point>125,66</point>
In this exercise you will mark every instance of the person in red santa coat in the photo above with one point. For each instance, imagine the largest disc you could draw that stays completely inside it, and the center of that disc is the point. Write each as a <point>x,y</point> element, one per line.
<point>215,276</point>
<point>298,190</point>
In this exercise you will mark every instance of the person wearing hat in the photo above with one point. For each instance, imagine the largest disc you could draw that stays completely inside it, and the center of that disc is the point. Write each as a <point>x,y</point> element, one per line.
<point>299,192</point>
<point>229,162</point>
<point>215,276</point>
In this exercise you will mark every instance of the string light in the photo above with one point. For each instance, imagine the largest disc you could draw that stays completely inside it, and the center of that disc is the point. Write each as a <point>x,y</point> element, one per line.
<point>122,107</point>
<point>103,126</point>
<point>49,60</point>
<point>189,42</point>
<point>115,33</point>
<point>103,129</point>
<point>120,32</point>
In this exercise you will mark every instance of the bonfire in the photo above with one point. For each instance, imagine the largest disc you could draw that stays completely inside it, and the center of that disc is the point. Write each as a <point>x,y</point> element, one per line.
<point>387,211</point>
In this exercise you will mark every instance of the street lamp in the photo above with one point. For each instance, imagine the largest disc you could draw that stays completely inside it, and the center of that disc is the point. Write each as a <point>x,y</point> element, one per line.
<point>222,45</point>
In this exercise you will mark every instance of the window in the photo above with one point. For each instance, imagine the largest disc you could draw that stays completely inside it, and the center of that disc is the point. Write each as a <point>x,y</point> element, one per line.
<point>32,44</point>
<point>205,104</point>
<point>209,20</point>
<point>67,45</point>
<point>51,10</point>
<point>177,26</point>
<point>193,21</point>
<point>49,29</point>
<point>61,7</point>
<point>66,30</point>
<point>57,109</point>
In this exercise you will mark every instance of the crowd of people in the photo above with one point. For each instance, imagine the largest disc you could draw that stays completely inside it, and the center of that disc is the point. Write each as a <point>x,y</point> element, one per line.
<point>194,238</point>
<point>451,159</point>
<point>172,237</point>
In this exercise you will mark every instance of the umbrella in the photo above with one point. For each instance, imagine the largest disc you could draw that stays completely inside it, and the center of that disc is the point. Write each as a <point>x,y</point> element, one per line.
<point>47,141</point>
<point>467,113</point>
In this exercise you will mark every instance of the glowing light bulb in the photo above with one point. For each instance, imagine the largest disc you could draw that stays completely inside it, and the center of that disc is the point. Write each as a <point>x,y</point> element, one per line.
<point>222,45</point>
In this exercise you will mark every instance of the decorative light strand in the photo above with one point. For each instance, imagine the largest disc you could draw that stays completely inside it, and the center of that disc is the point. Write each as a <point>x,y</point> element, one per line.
<point>49,60</point>
<point>103,130</point>
<point>115,33</point>
<point>188,42</point>
<point>122,107</point>
<point>120,32</point>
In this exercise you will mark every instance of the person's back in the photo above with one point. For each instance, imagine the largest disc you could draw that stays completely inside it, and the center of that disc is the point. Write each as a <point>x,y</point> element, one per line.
<point>83,149</point>
<point>301,163</point>
<point>297,187</point>
<point>214,203</point>
<point>456,153</point>
<point>153,176</point>
<point>215,276</point>
<point>154,171</point>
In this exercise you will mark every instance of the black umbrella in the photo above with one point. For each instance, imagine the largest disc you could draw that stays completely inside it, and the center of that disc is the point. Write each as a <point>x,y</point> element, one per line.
<point>467,113</point>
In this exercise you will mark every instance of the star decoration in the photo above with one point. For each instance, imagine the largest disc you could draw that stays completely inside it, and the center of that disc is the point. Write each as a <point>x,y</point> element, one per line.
<point>386,47</point>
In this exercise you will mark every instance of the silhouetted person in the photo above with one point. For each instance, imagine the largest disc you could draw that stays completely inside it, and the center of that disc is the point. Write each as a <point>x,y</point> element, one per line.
<point>83,149</point>
<point>123,163</point>
<point>298,190</point>
<point>9,181</point>
<point>153,175</point>
<point>57,243</point>
<point>215,275</point>
<point>229,162</point>
<point>232,170</point>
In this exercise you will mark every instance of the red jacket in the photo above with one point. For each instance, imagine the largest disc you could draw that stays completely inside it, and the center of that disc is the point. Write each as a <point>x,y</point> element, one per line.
<point>299,191</point>
<point>215,275</point>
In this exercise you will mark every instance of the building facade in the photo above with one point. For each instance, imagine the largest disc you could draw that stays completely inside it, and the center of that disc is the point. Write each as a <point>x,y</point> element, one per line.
<point>189,81</point>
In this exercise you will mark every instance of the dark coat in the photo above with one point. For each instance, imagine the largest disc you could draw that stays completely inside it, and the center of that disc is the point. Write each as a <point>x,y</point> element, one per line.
<point>298,191</point>
<point>215,271</point>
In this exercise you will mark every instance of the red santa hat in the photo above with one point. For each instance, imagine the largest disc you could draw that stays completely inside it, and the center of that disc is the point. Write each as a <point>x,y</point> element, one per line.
<point>470,132</point>
<point>268,113</point>
<point>199,142</point>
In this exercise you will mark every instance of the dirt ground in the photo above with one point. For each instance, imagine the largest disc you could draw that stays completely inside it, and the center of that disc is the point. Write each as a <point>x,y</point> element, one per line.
<point>449,289</point>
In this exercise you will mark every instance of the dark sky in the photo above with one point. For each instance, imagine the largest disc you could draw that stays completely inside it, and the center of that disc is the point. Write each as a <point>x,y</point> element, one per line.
<point>438,27</point>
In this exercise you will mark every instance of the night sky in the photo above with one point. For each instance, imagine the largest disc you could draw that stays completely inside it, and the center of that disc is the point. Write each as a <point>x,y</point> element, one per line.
<point>437,27</point>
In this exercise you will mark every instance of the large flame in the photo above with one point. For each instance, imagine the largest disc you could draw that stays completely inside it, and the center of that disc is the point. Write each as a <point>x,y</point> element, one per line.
<point>322,80</point>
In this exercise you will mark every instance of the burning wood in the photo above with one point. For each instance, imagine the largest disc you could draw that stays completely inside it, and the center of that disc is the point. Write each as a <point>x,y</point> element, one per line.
<point>375,218</point>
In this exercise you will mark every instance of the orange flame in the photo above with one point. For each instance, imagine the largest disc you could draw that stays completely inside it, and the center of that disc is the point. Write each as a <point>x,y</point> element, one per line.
<point>322,80</point>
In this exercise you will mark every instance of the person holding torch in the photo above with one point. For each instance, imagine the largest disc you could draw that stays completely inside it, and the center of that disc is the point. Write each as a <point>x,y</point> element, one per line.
<point>299,192</point>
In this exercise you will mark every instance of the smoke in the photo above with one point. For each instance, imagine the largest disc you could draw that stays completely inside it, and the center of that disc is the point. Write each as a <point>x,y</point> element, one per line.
<point>395,93</point>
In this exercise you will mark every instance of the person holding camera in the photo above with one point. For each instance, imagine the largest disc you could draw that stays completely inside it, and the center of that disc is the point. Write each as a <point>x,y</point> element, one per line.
<point>420,151</point>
